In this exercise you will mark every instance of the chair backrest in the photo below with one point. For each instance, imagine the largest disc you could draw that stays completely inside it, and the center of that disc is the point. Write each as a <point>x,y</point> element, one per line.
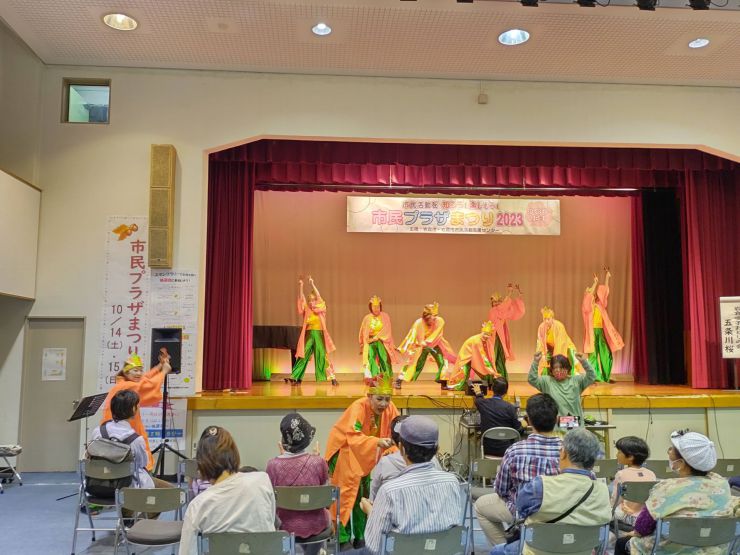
<point>486,468</point>
<point>661,468</point>
<point>606,468</point>
<point>187,470</point>
<point>564,538</point>
<point>151,500</point>
<point>305,498</point>
<point>104,470</point>
<point>240,543</point>
<point>727,467</point>
<point>447,542</point>
<point>699,531</point>
<point>637,492</point>
<point>499,433</point>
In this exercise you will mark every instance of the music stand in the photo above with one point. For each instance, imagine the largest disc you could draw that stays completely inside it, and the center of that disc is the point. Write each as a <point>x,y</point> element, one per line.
<point>163,447</point>
<point>85,408</point>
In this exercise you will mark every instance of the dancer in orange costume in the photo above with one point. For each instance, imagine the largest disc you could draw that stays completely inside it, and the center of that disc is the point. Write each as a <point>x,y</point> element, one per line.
<point>600,338</point>
<point>502,310</point>
<point>553,339</point>
<point>376,341</point>
<point>476,353</point>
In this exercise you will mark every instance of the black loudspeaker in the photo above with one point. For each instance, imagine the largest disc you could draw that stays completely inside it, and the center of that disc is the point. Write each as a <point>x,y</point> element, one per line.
<point>171,340</point>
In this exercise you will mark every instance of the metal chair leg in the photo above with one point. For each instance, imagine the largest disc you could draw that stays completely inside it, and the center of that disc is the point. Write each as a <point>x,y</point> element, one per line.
<point>77,522</point>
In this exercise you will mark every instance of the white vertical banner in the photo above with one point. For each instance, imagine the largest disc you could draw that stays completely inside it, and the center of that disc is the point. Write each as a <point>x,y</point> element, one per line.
<point>176,421</point>
<point>729,322</point>
<point>173,303</point>
<point>124,325</point>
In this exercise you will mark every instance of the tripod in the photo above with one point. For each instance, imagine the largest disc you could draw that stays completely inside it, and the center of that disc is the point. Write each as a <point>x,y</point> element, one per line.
<point>163,447</point>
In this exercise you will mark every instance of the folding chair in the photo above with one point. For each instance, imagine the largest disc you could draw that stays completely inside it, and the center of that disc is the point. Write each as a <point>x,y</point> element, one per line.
<point>500,433</point>
<point>637,492</point>
<point>698,531</point>
<point>149,532</point>
<point>262,543</point>
<point>728,467</point>
<point>661,468</point>
<point>448,542</point>
<point>485,469</point>
<point>187,471</point>
<point>564,538</point>
<point>606,468</point>
<point>101,470</point>
<point>310,498</point>
<point>9,472</point>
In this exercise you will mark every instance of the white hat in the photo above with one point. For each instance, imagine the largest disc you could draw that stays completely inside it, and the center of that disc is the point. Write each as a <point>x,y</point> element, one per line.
<point>696,450</point>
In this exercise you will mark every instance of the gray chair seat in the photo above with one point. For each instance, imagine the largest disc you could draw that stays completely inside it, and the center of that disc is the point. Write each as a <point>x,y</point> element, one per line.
<point>154,532</point>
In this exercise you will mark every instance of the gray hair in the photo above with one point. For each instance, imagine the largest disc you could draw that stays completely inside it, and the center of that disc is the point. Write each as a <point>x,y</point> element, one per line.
<point>582,447</point>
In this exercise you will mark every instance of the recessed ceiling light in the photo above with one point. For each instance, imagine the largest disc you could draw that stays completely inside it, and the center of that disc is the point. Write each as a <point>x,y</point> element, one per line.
<point>120,22</point>
<point>321,29</point>
<point>699,43</point>
<point>512,37</point>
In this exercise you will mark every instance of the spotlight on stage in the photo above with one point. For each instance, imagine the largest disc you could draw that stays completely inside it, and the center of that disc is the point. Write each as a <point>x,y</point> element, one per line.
<point>648,5</point>
<point>700,4</point>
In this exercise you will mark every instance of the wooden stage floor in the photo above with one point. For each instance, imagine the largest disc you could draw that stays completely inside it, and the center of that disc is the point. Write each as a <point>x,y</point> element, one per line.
<point>427,395</point>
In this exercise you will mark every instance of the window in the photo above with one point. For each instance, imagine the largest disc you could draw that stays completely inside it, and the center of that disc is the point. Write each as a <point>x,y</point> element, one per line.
<point>86,101</point>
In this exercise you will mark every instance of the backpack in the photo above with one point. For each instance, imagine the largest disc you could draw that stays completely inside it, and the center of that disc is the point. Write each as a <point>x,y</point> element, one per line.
<point>112,450</point>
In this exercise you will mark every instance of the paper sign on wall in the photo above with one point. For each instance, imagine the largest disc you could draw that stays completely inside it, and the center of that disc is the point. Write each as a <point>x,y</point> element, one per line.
<point>729,317</point>
<point>54,364</point>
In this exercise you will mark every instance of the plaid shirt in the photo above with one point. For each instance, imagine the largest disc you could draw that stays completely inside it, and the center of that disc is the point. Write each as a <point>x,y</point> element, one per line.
<point>524,460</point>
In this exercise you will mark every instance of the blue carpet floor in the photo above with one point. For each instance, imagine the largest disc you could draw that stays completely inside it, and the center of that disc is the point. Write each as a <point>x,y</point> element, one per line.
<point>33,522</point>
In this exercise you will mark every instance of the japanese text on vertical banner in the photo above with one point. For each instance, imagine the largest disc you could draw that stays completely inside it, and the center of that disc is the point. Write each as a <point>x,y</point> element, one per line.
<point>125,317</point>
<point>729,316</point>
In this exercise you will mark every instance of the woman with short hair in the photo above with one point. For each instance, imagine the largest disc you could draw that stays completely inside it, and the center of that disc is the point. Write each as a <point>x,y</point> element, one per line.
<point>235,502</point>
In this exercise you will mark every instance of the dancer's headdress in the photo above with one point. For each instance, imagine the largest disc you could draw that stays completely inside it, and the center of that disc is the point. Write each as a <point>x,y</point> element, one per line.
<point>134,361</point>
<point>496,297</point>
<point>547,312</point>
<point>432,309</point>
<point>375,301</point>
<point>487,327</point>
<point>382,385</point>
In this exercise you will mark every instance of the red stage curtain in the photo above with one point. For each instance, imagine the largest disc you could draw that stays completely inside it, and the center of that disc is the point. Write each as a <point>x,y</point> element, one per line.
<point>639,337</point>
<point>227,344</point>
<point>712,209</point>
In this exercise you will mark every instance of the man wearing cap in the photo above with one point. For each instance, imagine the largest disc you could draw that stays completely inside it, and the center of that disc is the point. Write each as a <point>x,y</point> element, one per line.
<point>696,492</point>
<point>147,385</point>
<point>356,442</point>
<point>421,499</point>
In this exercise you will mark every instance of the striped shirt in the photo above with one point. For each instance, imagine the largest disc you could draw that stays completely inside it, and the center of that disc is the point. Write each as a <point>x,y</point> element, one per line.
<point>420,500</point>
<point>538,454</point>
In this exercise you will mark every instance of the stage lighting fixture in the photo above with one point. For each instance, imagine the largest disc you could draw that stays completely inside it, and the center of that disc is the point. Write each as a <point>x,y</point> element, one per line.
<point>648,5</point>
<point>700,4</point>
<point>530,3</point>
<point>586,3</point>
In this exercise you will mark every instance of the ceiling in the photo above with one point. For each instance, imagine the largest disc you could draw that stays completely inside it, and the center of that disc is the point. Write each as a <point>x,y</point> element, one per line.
<point>424,38</point>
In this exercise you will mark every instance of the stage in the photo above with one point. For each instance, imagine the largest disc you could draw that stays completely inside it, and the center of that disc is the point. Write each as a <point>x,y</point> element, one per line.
<point>276,395</point>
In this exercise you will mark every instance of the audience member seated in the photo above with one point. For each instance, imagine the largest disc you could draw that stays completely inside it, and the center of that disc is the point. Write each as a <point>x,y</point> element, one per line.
<point>392,464</point>
<point>296,467</point>
<point>565,388</point>
<point>124,406</point>
<point>538,454</point>
<point>696,492</point>
<point>632,452</point>
<point>572,497</point>
<point>235,502</point>
<point>495,412</point>
<point>421,499</point>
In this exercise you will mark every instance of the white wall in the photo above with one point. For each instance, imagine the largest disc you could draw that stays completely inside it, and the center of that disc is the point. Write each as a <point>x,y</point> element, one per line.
<point>90,172</point>
<point>20,101</point>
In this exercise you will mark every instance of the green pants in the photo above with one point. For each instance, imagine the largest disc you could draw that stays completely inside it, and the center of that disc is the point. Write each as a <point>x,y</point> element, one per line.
<point>436,354</point>
<point>355,528</point>
<point>601,359</point>
<point>378,360</point>
<point>461,386</point>
<point>314,346</point>
<point>500,357</point>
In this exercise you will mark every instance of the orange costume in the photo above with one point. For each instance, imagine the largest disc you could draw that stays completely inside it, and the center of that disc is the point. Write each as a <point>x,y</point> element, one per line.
<point>352,449</point>
<point>499,315</point>
<point>375,330</point>
<point>554,340</point>
<point>476,353</point>
<point>424,340</point>
<point>314,340</point>
<point>600,338</point>
<point>149,389</point>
